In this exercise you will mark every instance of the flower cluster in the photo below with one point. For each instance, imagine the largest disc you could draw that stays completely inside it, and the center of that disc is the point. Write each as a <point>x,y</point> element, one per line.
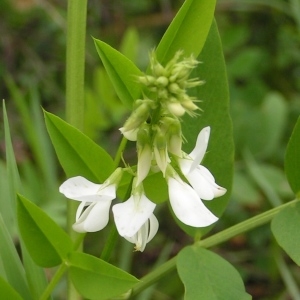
<point>155,125</point>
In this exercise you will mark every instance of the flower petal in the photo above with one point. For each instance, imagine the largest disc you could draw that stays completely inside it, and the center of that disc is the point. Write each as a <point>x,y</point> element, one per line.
<point>153,224</point>
<point>79,188</point>
<point>145,234</point>
<point>130,135</point>
<point>94,218</point>
<point>132,214</point>
<point>200,148</point>
<point>204,183</point>
<point>187,205</point>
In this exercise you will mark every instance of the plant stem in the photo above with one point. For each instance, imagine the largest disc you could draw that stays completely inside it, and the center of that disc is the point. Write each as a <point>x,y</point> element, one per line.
<point>76,27</point>
<point>59,273</point>
<point>113,235</point>
<point>214,240</point>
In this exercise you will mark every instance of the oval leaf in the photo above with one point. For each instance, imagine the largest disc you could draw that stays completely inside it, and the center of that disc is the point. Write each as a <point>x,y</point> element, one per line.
<point>188,30</point>
<point>121,71</point>
<point>215,113</point>
<point>207,276</point>
<point>45,241</point>
<point>285,227</point>
<point>292,160</point>
<point>77,153</point>
<point>97,279</point>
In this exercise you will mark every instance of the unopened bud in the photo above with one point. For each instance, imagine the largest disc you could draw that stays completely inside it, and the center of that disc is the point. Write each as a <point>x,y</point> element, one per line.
<point>176,109</point>
<point>174,88</point>
<point>138,116</point>
<point>189,105</point>
<point>162,81</point>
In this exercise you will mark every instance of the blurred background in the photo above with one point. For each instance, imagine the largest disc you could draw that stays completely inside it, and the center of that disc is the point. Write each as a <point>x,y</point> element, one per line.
<point>261,42</point>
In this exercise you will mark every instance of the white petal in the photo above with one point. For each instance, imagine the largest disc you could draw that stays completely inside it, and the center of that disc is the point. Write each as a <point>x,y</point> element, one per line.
<point>187,205</point>
<point>132,214</point>
<point>130,135</point>
<point>200,148</point>
<point>79,188</point>
<point>185,165</point>
<point>94,218</point>
<point>204,183</point>
<point>145,234</point>
<point>153,224</point>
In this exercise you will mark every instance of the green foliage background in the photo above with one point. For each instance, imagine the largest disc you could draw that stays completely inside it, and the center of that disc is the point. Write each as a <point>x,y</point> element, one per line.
<point>261,41</point>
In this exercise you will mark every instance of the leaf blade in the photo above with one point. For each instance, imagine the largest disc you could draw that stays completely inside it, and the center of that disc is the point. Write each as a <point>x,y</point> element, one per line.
<point>207,276</point>
<point>71,146</point>
<point>285,228</point>
<point>90,275</point>
<point>292,160</point>
<point>181,34</point>
<point>121,71</point>
<point>47,243</point>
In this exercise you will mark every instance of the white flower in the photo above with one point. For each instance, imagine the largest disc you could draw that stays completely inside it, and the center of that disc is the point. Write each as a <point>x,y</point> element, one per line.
<point>130,135</point>
<point>145,234</point>
<point>198,176</point>
<point>97,198</point>
<point>135,220</point>
<point>186,203</point>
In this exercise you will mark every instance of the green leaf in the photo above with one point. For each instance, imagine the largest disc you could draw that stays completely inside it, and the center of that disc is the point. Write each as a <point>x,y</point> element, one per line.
<point>215,105</point>
<point>97,279</point>
<point>292,160</point>
<point>156,188</point>
<point>45,241</point>
<point>285,227</point>
<point>11,263</point>
<point>121,71</point>
<point>14,183</point>
<point>35,275</point>
<point>77,153</point>
<point>7,292</point>
<point>188,30</point>
<point>207,276</point>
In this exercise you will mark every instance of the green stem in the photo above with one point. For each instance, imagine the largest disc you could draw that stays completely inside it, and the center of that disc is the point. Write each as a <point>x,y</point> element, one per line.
<point>76,28</point>
<point>214,240</point>
<point>59,273</point>
<point>113,235</point>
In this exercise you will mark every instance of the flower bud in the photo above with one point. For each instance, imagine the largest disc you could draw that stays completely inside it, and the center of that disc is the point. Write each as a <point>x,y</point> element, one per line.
<point>137,117</point>
<point>175,108</point>
<point>162,81</point>
<point>174,88</point>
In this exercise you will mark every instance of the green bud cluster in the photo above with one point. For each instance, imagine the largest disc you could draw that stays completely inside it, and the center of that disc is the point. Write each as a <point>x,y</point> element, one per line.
<point>170,84</point>
<point>155,121</point>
